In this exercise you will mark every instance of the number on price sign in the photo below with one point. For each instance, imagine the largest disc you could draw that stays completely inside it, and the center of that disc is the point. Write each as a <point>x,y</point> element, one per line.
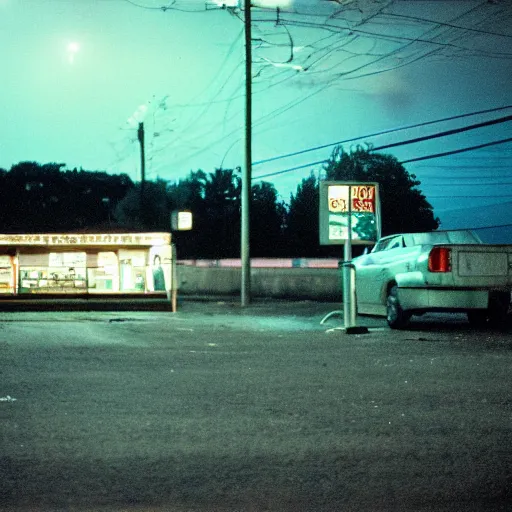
<point>363,198</point>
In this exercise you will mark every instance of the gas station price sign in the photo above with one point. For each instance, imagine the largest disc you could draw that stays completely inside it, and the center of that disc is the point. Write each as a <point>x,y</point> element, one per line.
<point>349,211</point>
<point>362,198</point>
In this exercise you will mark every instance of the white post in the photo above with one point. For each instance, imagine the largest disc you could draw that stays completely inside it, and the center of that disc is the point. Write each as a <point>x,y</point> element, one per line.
<point>174,280</point>
<point>349,316</point>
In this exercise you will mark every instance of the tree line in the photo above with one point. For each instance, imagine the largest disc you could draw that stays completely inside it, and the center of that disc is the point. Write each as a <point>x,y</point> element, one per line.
<point>37,198</point>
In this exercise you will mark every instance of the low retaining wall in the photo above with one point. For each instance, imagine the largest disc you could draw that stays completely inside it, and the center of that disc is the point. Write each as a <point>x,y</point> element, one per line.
<point>298,283</point>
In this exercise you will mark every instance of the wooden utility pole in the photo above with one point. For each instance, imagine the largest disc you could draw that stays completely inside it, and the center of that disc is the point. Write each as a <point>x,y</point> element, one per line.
<point>142,205</point>
<point>247,171</point>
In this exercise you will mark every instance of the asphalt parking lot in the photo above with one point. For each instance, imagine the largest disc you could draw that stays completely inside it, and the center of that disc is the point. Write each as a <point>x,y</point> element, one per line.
<point>218,407</point>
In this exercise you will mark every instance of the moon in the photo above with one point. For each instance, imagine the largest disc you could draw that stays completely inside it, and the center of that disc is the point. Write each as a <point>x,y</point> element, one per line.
<point>72,49</point>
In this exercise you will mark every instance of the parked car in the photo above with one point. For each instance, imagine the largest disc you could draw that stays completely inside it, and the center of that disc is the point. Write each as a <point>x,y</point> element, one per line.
<point>449,271</point>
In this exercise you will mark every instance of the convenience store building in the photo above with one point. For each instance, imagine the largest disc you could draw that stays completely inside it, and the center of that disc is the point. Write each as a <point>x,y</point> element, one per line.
<point>103,263</point>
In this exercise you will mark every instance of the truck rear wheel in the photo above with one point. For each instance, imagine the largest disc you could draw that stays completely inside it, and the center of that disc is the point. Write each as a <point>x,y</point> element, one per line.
<point>478,317</point>
<point>397,318</point>
<point>496,315</point>
<point>499,303</point>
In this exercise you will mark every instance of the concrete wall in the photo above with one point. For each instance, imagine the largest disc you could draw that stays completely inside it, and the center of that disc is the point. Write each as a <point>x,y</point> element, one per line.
<point>299,283</point>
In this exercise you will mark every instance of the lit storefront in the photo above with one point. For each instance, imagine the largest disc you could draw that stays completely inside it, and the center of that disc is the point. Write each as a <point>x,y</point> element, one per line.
<point>86,263</point>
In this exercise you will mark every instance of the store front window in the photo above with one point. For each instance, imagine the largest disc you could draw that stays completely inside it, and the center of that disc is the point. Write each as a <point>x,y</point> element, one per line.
<point>132,269</point>
<point>6,275</point>
<point>53,272</point>
<point>160,268</point>
<point>103,272</point>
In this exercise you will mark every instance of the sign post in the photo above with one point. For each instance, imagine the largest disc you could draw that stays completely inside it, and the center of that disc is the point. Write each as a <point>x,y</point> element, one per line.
<point>349,307</point>
<point>349,214</point>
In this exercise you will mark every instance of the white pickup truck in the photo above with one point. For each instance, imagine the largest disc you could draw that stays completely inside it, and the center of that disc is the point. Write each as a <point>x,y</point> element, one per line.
<point>452,271</point>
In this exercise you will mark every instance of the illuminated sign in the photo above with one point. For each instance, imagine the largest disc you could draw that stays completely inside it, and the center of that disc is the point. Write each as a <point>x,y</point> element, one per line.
<point>349,210</point>
<point>136,239</point>
<point>181,220</point>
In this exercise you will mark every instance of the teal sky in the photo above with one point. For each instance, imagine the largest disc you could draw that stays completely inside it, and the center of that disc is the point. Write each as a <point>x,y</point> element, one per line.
<point>182,73</point>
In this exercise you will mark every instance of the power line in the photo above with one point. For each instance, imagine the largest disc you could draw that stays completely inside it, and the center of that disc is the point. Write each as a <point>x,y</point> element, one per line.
<point>475,168</point>
<point>445,133</point>
<point>396,38</point>
<point>454,152</point>
<point>150,8</point>
<point>421,56</point>
<point>267,117</point>
<point>170,6</point>
<point>291,169</point>
<point>448,178</point>
<point>428,178</point>
<point>399,49</point>
<point>383,132</point>
<point>385,37</point>
<point>494,18</point>
<point>488,227</point>
<point>207,105</point>
<point>444,24</point>
<point>165,8</point>
<point>471,197</point>
<point>502,183</point>
<point>503,141</point>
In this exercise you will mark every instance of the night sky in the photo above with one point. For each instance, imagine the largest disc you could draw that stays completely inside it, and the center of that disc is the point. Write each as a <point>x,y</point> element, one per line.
<point>79,75</point>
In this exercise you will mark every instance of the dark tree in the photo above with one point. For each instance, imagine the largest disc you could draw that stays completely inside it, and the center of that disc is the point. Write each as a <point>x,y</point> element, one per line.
<point>214,200</point>
<point>404,207</point>
<point>34,202</point>
<point>188,194</point>
<point>38,198</point>
<point>92,197</point>
<point>222,206</point>
<point>267,220</point>
<point>149,212</point>
<point>301,229</point>
<point>5,194</point>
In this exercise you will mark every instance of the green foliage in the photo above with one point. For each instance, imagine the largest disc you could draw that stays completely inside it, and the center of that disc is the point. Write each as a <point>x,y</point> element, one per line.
<point>404,207</point>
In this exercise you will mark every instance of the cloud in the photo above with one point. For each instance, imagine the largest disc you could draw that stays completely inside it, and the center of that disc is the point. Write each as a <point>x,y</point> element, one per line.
<point>389,89</point>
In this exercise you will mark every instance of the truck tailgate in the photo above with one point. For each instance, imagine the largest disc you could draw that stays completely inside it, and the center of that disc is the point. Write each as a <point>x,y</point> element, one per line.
<point>472,263</point>
<point>491,265</point>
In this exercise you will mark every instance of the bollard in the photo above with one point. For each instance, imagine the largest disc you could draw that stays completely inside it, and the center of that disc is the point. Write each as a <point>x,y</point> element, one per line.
<point>349,300</point>
<point>349,295</point>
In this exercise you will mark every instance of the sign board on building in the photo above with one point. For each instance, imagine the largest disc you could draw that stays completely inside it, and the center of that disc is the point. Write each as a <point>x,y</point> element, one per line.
<point>136,239</point>
<point>349,211</point>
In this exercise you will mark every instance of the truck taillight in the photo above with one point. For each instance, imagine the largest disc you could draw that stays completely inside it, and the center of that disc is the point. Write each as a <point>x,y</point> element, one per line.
<point>439,260</point>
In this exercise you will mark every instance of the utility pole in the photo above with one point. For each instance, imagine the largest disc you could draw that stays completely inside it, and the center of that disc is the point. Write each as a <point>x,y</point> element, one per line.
<point>142,205</point>
<point>247,171</point>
